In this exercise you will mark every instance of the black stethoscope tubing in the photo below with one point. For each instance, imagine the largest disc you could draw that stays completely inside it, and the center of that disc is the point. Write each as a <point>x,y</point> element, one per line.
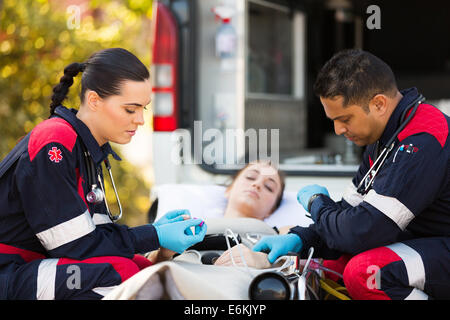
<point>97,194</point>
<point>365,184</point>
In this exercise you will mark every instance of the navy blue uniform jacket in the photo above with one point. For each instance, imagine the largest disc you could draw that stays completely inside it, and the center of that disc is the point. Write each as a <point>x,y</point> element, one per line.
<point>410,197</point>
<point>43,207</point>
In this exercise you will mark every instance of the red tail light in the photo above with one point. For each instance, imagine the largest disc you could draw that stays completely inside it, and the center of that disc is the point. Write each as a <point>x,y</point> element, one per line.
<point>164,69</point>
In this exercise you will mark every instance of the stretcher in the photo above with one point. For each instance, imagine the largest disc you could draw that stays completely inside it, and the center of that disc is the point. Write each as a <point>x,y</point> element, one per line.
<point>186,276</point>
<point>208,201</point>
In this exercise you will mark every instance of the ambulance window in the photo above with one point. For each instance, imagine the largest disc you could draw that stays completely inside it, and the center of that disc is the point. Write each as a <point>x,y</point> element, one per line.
<point>269,50</point>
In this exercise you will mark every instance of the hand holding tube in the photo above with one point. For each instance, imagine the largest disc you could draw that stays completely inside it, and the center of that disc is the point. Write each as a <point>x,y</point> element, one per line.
<point>177,236</point>
<point>173,216</point>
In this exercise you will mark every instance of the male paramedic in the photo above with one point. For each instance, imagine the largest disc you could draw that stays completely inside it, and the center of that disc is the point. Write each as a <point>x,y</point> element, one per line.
<point>394,220</point>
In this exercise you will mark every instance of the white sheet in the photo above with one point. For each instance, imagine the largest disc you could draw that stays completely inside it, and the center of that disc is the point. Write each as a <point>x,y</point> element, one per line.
<point>185,277</point>
<point>185,280</point>
<point>208,201</point>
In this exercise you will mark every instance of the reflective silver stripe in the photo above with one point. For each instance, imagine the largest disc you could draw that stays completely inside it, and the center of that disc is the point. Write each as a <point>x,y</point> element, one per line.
<point>417,294</point>
<point>352,196</point>
<point>391,207</point>
<point>46,279</point>
<point>413,262</point>
<point>100,218</point>
<point>67,231</point>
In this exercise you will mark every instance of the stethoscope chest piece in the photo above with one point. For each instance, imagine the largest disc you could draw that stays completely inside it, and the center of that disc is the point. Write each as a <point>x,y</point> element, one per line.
<point>95,196</point>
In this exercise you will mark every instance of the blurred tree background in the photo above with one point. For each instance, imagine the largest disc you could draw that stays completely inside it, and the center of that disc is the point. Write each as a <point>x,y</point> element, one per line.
<point>38,38</point>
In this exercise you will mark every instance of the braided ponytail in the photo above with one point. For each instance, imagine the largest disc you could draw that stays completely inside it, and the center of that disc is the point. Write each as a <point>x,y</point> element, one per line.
<point>62,88</point>
<point>104,73</point>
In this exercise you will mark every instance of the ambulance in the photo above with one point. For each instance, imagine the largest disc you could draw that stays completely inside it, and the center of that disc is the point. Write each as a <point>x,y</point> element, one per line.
<point>233,79</point>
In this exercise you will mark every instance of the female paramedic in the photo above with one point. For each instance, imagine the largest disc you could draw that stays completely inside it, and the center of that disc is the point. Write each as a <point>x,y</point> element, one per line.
<point>57,236</point>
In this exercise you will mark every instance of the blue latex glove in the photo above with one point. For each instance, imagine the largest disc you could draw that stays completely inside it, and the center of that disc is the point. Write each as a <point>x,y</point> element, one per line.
<point>172,216</point>
<point>177,236</point>
<point>305,194</point>
<point>277,246</point>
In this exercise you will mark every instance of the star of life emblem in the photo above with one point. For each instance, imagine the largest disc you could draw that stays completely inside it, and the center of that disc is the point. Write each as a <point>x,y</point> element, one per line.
<point>55,155</point>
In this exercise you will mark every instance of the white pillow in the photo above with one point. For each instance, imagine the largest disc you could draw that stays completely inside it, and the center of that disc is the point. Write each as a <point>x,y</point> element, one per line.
<point>208,201</point>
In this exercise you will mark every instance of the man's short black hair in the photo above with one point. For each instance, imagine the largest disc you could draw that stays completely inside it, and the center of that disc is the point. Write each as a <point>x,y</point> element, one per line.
<point>357,76</point>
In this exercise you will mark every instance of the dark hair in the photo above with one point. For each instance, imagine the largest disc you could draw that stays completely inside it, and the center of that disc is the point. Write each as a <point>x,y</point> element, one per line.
<point>357,76</point>
<point>103,73</point>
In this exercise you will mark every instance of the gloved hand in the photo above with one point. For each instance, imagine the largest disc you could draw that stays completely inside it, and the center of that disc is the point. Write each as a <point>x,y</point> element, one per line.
<point>177,236</point>
<point>278,246</point>
<point>172,216</point>
<point>305,194</point>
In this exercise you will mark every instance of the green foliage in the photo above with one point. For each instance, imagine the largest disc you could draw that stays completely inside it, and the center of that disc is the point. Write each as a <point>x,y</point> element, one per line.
<point>37,40</point>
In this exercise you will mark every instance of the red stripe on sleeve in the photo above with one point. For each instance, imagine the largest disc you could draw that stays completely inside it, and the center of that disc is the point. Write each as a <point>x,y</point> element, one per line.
<point>427,119</point>
<point>51,130</point>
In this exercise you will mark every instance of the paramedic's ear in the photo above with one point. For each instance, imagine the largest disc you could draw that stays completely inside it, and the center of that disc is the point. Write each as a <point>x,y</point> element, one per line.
<point>93,100</point>
<point>379,102</point>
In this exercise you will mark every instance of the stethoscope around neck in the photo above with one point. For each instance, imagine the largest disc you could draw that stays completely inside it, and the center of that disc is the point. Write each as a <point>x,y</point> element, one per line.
<point>367,181</point>
<point>97,193</point>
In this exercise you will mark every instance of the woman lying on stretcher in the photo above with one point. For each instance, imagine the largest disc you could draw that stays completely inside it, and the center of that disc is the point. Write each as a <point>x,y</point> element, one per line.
<point>256,192</point>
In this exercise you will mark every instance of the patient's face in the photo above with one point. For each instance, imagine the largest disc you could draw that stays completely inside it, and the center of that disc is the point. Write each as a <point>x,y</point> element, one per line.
<point>255,191</point>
